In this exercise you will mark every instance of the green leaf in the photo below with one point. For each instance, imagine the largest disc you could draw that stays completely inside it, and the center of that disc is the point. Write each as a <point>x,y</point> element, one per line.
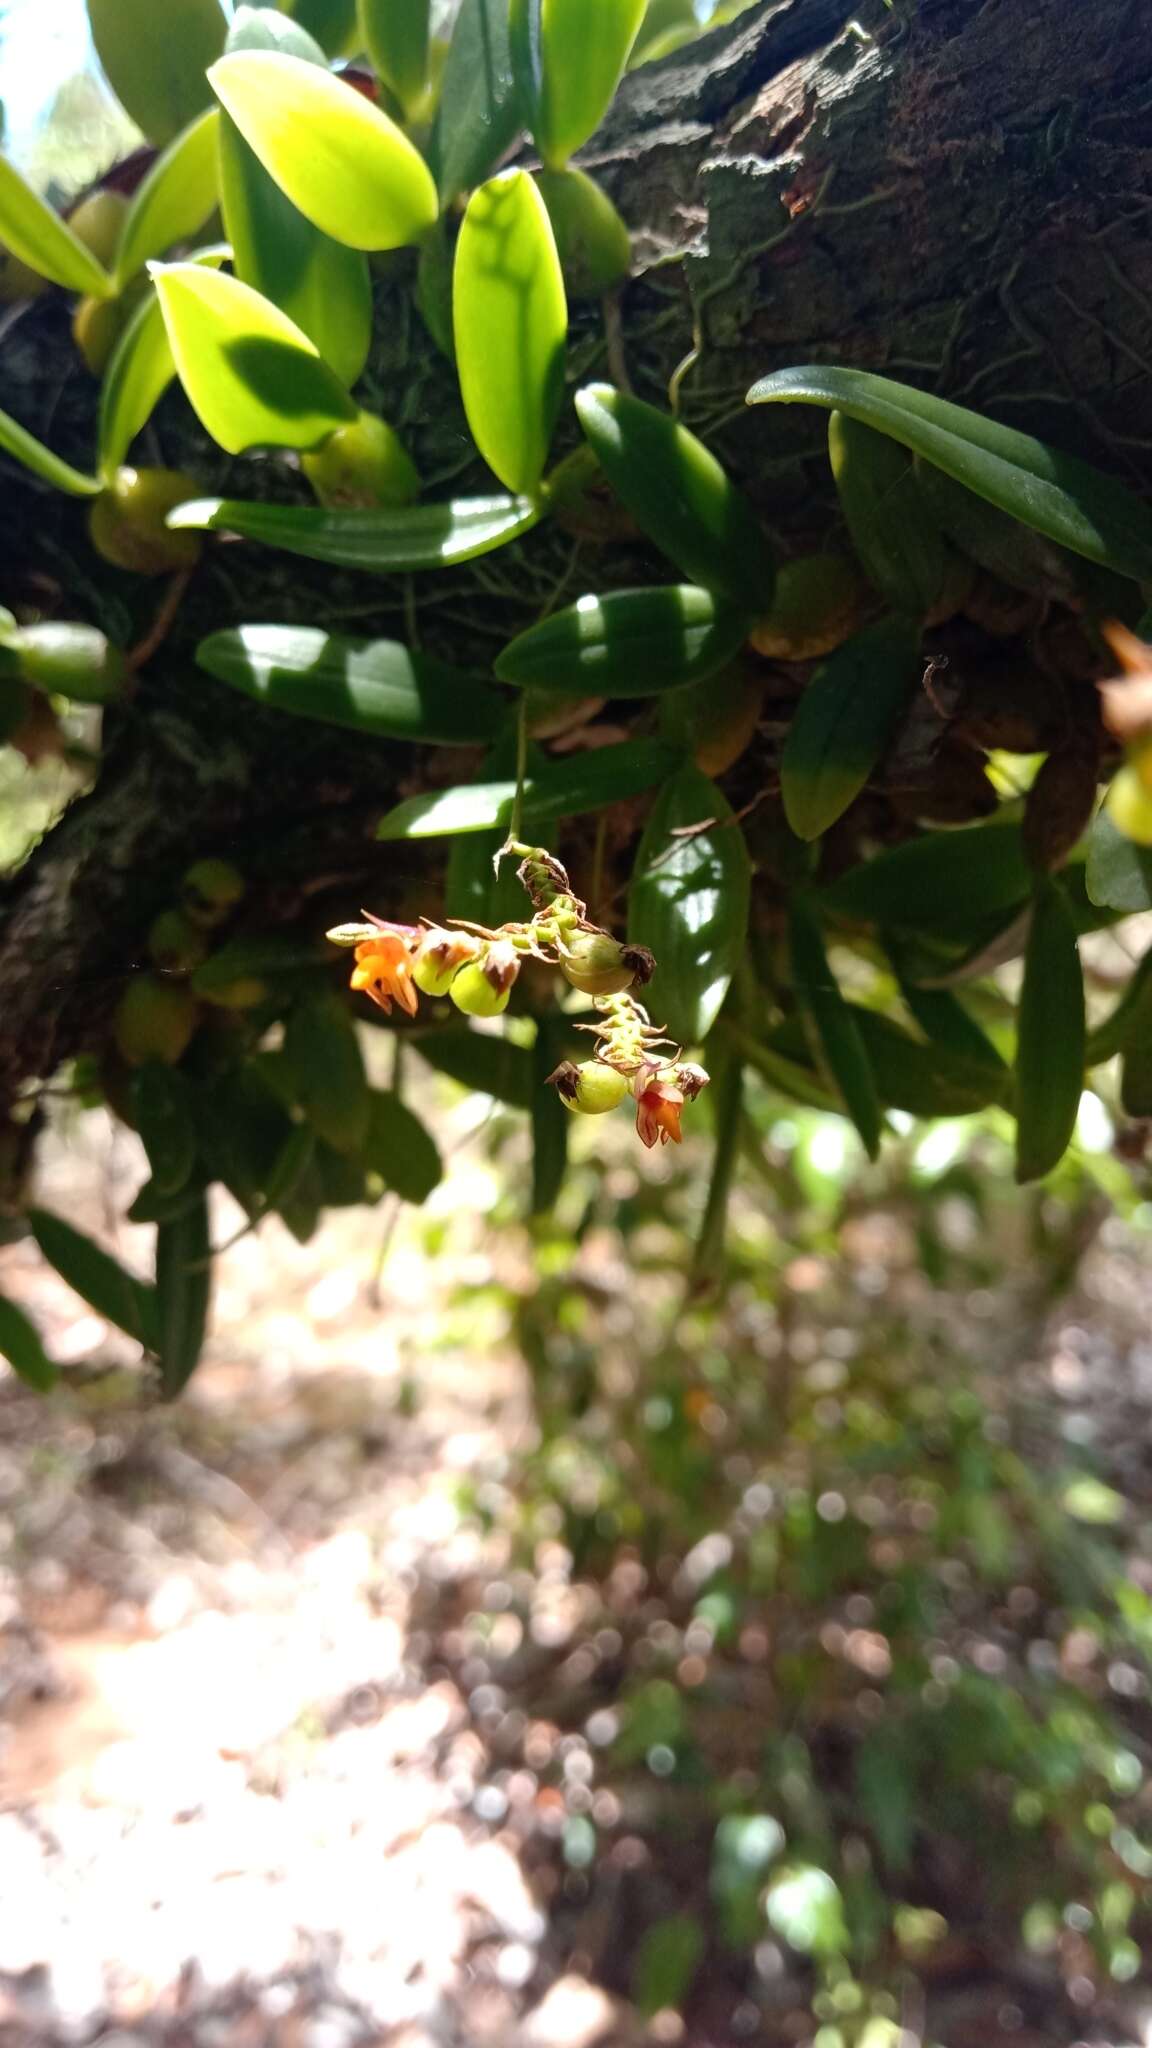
<point>385,542</point>
<point>322,285</point>
<point>1050,1046</point>
<point>176,198</point>
<point>525,44</point>
<point>1130,1022</point>
<point>833,1030</point>
<point>373,686</point>
<point>342,162</point>
<point>20,1344</point>
<point>1119,873</point>
<point>709,1253</point>
<point>742,1848</point>
<point>257,954</point>
<point>550,1119</point>
<point>324,1053</point>
<point>898,541</point>
<point>844,721</point>
<point>678,492</point>
<point>486,1065</point>
<point>926,1080</point>
<point>400,1150</point>
<point>944,1020</point>
<point>479,112</point>
<point>584,48</point>
<point>592,241</point>
<point>667,1960</point>
<point>183,1295</point>
<point>242,1129</point>
<point>253,377</point>
<point>689,903</point>
<point>139,372</point>
<point>155,57</point>
<point>162,1106</point>
<point>262,27</point>
<point>331,22</point>
<point>941,882</point>
<point>1013,552</point>
<point>628,643</point>
<point>32,230</point>
<point>96,1277</point>
<point>805,1908</point>
<point>474,888</point>
<point>395,34</point>
<point>1068,500</point>
<point>17,441</point>
<point>1136,1076</point>
<point>560,789</point>
<point>510,320</point>
<point>63,657</point>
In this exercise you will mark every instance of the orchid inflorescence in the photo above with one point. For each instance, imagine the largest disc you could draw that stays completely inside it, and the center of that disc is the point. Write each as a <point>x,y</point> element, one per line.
<point>476,969</point>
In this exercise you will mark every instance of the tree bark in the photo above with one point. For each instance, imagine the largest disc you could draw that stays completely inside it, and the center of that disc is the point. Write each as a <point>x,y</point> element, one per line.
<point>958,195</point>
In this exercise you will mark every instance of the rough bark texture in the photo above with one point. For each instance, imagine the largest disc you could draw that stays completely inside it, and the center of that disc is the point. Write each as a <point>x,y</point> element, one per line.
<point>959,196</point>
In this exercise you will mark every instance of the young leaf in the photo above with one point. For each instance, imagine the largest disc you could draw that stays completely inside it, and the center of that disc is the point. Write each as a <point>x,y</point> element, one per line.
<point>396,36</point>
<point>342,162</point>
<point>560,789</point>
<point>155,57</point>
<point>628,643</point>
<point>162,1105</point>
<point>510,319</point>
<point>16,440</point>
<point>372,686</point>
<point>485,1065</point>
<point>550,1119</point>
<point>400,1150</point>
<point>175,199</point>
<point>942,881</point>
<point>479,113</point>
<point>844,722</point>
<point>96,1277</point>
<point>32,230</point>
<point>899,543</point>
<point>678,492</point>
<point>324,1052</point>
<point>833,1029</point>
<point>139,372</point>
<point>689,903</point>
<point>1059,495</point>
<point>584,47</point>
<point>385,542</point>
<point>183,1294</point>
<point>1050,1046</point>
<point>20,1344</point>
<point>251,374</point>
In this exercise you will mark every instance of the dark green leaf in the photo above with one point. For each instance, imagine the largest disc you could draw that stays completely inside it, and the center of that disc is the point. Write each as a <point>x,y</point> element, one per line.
<point>1136,1076</point>
<point>689,903</point>
<point>550,1119</point>
<point>628,643</point>
<point>560,789</point>
<point>243,1131</point>
<point>1129,1022</point>
<point>150,1206</point>
<point>96,1277</point>
<point>727,1105</point>
<point>386,542</point>
<point>255,956</point>
<point>20,1344</point>
<point>899,543</point>
<point>155,57</point>
<point>396,34</point>
<point>844,721</point>
<point>1050,1045</point>
<point>487,1065</point>
<point>926,1080</point>
<point>1119,873</point>
<point>183,1294</point>
<point>330,22</point>
<point>666,1962</point>
<point>834,1030</point>
<point>162,1106</point>
<point>289,1168</point>
<point>324,1051</point>
<point>941,882</point>
<point>400,1150</point>
<point>479,113</point>
<point>372,686</point>
<point>946,1023</point>
<point>1013,552</point>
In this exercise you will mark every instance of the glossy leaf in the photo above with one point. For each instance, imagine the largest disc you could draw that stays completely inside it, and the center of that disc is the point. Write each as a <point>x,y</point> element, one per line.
<point>1060,496</point>
<point>324,1052</point>
<point>939,882</point>
<point>525,39</point>
<point>331,22</point>
<point>15,440</point>
<point>263,27</point>
<point>1119,873</point>
<point>395,34</point>
<point>560,789</point>
<point>63,657</point>
<point>34,231</point>
<point>253,377</point>
<point>898,541</point>
<point>678,492</point>
<point>584,48</point>
<point>400,1150</point>
<point>384,542</point>
<point>510,320</point>
<point>322,285</point>
<point>1050,1047</point>
<point>139,372</point>
<point>357,176</point>
<point>96,1277</point>
<point>628,643</point>
<point>162,1106</point>
<point>479,113</point>
<point>482,1064</point>
<point>689,903</point>
<point>844,721</point>
<point>176,198</point>
<point>21,1345</point>
<point>550,1120</point>
<point>371,686</point>
<point>833,1030</point>
<point>154,54</point>
<point>183,1295</point>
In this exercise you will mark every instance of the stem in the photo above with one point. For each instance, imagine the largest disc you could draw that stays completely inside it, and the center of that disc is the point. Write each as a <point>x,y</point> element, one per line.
<point>515,830</point>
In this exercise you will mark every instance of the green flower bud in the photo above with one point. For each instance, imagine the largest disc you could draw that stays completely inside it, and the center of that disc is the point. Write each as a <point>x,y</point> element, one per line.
<point>440,958</point>
<point>127,522</point>
<point>154,1021</point>
<point>591,1088</point>
<point>362,464</point>
<point>474,993</point>
<point>211,889</point>
<point>599,965</point>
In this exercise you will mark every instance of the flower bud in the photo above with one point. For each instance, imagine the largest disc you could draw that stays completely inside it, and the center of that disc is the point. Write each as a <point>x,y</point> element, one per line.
<point>363,464</point>
<point>211,889</point>
<point>439,959</point>
<point>475,994</point>
<point>154,1020</point>
<point>591,1088</point>
<point>126,523</point>
<point>599,965</point>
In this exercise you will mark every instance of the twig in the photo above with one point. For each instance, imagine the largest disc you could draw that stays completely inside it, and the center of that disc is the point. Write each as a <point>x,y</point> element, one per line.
<point>163,622</point>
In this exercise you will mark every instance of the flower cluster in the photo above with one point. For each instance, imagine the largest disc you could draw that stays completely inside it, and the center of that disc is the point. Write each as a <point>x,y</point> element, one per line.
<point>477,968</point>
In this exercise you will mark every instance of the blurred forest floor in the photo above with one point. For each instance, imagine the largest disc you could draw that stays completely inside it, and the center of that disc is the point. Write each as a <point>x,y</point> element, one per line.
<point>261,1780</point>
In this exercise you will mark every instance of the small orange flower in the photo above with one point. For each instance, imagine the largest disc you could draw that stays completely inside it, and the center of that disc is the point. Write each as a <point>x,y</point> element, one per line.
<point>383,969</point>
<point>659,1101</point>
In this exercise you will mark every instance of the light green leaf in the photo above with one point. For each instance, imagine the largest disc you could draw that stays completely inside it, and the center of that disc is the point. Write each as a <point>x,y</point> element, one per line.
<point>628,643</point>
<point>253,377</point>
<point>183,1294</point>
<point>689,902</point>
<point>678,492</point>
<point>357,176</point>
<point>140,370</point>
<point>386,542</point>
<point>97,1278</point>
<point>844,721</point>
<point>20,1344</point>
<point>1060,496</point>
<point>17,441</point>
<point>805,1908</point>
<point>584,47</point>
<point>1051,1040</point>
<point>400,1150</point>
<point>510,318</point>
<point>174,201</point>
<point>154,55</point>
<point>832,1028</point>
<point>479,113</point>
<point>395,34</point>
<point>560,789</point>
<point>372,686</point>
<point>33,231</point>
